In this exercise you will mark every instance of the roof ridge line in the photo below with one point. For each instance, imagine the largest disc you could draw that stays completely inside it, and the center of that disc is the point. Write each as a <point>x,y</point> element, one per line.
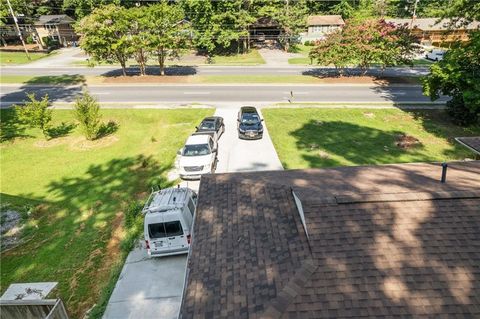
<point>405,197</point>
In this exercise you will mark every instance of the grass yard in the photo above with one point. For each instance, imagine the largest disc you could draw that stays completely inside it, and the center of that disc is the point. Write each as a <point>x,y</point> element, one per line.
<point>46,79</point>
<point>20,57</point>
<point>78,192</point>
<point>309,137</point>
<point>250,58</point>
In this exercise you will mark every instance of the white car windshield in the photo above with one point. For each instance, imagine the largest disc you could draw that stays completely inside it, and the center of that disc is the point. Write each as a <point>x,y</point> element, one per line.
<point>196,150</point>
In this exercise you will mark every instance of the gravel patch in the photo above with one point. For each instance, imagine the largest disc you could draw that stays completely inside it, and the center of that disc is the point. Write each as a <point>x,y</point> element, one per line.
<point>10,228</point>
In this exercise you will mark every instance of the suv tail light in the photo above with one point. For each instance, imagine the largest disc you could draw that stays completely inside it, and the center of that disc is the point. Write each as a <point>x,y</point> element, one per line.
<point>147,244</point>
<point>189,239</point>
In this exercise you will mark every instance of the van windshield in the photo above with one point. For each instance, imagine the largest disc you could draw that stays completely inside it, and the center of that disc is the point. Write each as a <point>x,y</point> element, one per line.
<point>168,229</point>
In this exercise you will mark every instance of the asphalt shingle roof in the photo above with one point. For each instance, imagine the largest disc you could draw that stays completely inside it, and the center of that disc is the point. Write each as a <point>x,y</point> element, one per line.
<point>54,19</point>
<point>383,242</point>
<point>325,20</point>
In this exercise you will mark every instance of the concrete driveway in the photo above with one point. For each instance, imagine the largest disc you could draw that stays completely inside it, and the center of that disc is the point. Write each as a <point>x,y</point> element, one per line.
<point>148,287</point>
<point>152,287</point>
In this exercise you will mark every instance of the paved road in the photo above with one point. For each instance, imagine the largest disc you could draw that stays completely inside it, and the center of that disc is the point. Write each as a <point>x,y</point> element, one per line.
<point>152,288</point>
<point>217,94</point>
<point>206,70</point>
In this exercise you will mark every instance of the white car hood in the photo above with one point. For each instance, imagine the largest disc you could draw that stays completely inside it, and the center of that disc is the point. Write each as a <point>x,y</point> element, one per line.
<point>195,160</point>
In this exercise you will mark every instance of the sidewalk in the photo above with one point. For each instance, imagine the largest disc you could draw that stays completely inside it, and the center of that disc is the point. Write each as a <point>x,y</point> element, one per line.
<point>62,58</point>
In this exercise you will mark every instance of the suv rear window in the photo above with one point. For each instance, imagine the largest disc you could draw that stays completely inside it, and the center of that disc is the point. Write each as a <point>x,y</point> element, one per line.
<point>168,229</point>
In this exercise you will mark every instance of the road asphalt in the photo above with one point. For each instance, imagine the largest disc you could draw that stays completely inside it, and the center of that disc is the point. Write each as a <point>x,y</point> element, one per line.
<point>218,94</point>
<point>152,287</point>
<point>207,70</point>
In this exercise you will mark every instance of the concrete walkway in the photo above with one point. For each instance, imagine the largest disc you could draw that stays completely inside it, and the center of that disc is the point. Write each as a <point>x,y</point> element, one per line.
<point>152,287</point>
<point>62,58</point>
<point>277,57</point>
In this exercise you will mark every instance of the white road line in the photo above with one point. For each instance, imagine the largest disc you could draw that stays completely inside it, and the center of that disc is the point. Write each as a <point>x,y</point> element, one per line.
<point>196,93</point>
<point>102,93</point>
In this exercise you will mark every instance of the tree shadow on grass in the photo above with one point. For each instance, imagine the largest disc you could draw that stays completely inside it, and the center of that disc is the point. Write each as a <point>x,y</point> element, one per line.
<point>61,130</point>
<point>322,143</point>
<point>58,79</point>
<point>85,214</point>
<point>10,126</point>
<point>438,123</point>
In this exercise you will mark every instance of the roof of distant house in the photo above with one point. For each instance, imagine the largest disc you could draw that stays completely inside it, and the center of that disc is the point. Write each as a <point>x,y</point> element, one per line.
<point>472,143</point>
<point>435,24</point>
<point>325,20</point>
<point>373,241</point>
<point>54,19</point>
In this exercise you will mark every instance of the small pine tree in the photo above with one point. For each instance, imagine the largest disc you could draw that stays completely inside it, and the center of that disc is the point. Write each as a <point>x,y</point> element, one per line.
<point>87,113</point>
<point>36,113</point>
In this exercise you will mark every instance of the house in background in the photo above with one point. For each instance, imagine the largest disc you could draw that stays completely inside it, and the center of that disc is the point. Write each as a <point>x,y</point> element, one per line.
<point>56,27</point>
<point>432,31</point>
<point>321,25</point>
<point>9,33</point>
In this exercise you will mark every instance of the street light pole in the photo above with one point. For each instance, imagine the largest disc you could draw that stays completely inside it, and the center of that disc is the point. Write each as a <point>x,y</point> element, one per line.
<point>18,29</point>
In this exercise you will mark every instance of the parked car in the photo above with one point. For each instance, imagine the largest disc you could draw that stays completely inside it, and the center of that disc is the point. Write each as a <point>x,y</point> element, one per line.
<point>249,124</point>
<point>435,55</point>
<point>198,156</point>
<point>213,126</point>
<point>168,221</point>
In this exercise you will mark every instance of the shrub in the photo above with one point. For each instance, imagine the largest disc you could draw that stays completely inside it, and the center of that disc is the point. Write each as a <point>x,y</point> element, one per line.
<point>51,43</point>
<point>36,113</point>
<point>460,113</point>
<point>87,113</point>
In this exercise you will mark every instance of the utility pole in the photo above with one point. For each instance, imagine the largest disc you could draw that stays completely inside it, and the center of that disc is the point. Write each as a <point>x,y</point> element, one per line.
<point>414,13</point>
<point>18,29</point>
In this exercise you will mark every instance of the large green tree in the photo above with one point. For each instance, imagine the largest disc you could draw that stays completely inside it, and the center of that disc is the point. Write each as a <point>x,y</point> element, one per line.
<point>219,24</point>
<point>105,35</point>
<point>366,42</point>
<point>81,8</point>
<point>289,14</point>
<point>169,32</point>
<point>458,74</point>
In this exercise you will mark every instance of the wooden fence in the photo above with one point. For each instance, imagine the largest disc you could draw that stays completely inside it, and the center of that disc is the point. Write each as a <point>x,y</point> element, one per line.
<point>33,309</point>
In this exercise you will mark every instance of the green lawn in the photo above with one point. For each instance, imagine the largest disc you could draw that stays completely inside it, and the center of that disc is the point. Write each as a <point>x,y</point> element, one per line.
<point>79,191</point>
<point>250,58</point>
<point>312,137</point>
<point>20,57</point>
<point>47,79</point>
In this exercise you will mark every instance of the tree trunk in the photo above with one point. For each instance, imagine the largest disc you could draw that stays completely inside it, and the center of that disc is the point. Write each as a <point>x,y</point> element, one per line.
<point>161,60</point>
<point>124,67</point>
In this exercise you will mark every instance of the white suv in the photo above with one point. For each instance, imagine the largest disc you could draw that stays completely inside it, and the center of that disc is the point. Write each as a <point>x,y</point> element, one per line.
<point>197,157</point>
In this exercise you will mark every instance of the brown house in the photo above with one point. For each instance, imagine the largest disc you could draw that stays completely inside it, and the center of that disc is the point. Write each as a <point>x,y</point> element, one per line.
<point>320,26</point>
<point>435,31</point>
<point>373,242</point>
<point>57,27</point>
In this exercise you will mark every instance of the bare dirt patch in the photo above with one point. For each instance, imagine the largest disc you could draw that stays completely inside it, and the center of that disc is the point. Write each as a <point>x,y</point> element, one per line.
<point>147,79</point>
<point>82,144</point>
<point>53,142</point>
<point>369,115</point>
<point>406,141</point>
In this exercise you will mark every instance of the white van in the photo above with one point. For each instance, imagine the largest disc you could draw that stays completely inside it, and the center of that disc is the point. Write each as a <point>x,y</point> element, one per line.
<point>168,221</point>
<point>435,55</point>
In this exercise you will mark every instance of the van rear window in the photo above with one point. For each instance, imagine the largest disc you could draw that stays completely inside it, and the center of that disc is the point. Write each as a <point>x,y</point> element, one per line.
<point>168,229</point>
